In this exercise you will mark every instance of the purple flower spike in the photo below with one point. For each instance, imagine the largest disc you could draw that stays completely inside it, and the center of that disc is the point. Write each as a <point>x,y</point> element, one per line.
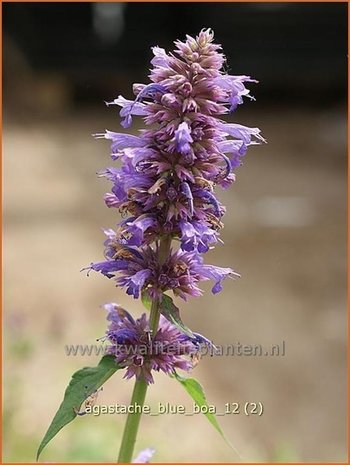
<point>168,174</point>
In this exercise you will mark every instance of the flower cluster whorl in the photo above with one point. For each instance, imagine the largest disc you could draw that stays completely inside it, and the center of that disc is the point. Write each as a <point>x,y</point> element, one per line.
<point>141,352</point>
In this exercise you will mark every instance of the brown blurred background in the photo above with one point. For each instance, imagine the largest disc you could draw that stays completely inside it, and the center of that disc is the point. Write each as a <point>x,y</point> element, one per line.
<point>285,229</point>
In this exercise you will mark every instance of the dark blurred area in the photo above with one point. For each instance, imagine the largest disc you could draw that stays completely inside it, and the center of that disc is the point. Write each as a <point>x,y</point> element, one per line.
<point>298,50</point>
<point>285,228</point>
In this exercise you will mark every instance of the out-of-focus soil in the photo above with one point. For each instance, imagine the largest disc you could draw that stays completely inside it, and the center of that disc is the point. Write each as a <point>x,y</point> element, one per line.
<point>285,233</point>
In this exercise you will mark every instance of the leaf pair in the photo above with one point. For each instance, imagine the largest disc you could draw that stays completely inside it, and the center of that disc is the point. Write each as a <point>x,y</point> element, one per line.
<point>87,380</point>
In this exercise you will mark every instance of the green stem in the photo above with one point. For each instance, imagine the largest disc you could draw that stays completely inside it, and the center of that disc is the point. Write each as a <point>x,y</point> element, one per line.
<point>132,422</point>
<point>139,393</point>
<point>163,252</point>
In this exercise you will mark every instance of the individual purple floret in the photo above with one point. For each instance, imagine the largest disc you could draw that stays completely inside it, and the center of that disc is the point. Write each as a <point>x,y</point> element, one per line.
<point>141,352</point>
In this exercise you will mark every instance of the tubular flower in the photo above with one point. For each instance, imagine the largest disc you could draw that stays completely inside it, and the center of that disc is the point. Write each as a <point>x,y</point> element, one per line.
<point>140,352</point>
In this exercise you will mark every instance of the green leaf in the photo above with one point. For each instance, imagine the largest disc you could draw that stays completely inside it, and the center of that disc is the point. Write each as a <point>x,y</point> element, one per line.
<point>83,383</point>
<point>172,313</point>
<point>196,391</point>
<point>146,300</point>
<point>169,310</point>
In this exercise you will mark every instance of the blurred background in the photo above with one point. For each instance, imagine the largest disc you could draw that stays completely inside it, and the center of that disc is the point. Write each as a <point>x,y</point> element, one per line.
<point>285,228</point>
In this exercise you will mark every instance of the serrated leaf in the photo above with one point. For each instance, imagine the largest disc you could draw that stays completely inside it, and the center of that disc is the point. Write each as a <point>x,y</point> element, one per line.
<point>196,392</point>
<point>83,383</point>
<point>172,313</point>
